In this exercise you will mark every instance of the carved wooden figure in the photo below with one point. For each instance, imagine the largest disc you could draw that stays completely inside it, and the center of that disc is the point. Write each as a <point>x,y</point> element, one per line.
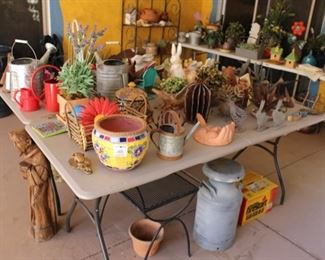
<point>35,168</point>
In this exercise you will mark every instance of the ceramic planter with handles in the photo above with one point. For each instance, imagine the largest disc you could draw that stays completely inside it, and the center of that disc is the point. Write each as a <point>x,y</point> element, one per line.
<point>120,141</point>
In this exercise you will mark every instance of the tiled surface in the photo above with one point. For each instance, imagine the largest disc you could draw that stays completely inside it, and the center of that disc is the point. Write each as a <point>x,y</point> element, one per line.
<point>293,231</point>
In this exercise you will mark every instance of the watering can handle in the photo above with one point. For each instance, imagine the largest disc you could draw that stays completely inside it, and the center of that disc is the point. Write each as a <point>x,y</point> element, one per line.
<point>33,78</point>
<point>154,131</point>
<point>15,96</point>
<point>172,116</point>
<point>22,42</point>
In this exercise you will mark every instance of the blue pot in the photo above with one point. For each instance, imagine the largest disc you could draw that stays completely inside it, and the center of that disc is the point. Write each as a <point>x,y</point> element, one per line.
<point>309,59</point>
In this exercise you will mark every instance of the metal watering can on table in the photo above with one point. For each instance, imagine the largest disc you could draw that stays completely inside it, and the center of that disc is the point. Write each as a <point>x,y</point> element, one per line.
<point>21,69</point>
<point>172,137</point>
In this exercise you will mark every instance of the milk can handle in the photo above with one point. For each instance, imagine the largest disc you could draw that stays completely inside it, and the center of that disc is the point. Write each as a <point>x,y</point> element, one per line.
<point>22,42</point>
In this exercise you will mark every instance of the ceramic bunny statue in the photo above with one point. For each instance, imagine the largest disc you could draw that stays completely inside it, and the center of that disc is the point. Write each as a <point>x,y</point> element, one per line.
<point>176,68</point>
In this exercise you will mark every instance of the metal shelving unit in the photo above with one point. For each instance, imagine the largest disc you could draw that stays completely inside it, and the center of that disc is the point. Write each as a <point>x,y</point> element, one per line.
<point>131,34</point>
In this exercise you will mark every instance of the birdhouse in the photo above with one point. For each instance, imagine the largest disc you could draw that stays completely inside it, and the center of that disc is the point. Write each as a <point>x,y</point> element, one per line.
<point>276,53</point>
<point>291,59</point>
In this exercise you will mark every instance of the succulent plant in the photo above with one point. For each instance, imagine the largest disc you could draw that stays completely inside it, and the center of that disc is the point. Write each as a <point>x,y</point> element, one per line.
<point>172,85</point>
<point>76,80</point>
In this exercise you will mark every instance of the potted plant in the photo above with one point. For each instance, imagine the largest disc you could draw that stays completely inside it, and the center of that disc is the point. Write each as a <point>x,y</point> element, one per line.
<point>213,37</point>
<point>250,50</point>
<point>316,46</point>
<point>172,85</point>
<point>276,24</point>
<point>234,34</point>
<point>76,84</point>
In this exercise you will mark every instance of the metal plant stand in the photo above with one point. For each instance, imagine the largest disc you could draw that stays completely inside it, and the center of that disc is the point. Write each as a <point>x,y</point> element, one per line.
<point>274,153</point>
<point>156,194</point>
<point>95,216</point>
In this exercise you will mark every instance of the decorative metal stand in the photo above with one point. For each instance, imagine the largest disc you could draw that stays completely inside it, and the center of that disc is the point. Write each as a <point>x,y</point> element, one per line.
<point>156,194</point>
<point>274,153</point>
<point>96,217</point>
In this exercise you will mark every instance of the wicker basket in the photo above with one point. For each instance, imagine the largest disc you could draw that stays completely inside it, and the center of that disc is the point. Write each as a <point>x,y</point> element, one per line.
<point>77,132</point>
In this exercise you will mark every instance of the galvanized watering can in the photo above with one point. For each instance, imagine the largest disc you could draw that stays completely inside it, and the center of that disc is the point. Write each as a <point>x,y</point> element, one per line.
<point>21,69</point>
<point>171,136</point>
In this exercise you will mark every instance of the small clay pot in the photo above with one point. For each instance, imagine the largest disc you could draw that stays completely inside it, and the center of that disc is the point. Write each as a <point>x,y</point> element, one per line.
<point>142,232</point>
<point>149,15</point>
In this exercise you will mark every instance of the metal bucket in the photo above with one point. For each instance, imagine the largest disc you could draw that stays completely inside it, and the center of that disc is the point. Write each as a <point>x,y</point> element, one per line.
<point>21,69</point>
<point>111,75</point>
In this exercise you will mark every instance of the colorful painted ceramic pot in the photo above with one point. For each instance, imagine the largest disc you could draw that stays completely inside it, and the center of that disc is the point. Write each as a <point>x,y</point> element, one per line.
<point>120,141</point>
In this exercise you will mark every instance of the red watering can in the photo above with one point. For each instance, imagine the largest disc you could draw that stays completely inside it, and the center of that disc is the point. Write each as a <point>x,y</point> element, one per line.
<point>27,101</point>
<point>50,89</point>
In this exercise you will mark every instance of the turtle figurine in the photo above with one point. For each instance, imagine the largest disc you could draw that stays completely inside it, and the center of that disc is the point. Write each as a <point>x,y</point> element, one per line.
<point>81,162</point>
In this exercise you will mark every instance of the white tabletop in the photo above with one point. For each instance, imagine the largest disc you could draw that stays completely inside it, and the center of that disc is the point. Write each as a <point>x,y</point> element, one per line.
<point>263,62</point>
<point>103,181</point>
<point>24,117</point>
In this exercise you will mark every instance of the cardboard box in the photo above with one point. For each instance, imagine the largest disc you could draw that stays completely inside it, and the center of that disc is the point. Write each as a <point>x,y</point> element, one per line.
<point>259,194</point>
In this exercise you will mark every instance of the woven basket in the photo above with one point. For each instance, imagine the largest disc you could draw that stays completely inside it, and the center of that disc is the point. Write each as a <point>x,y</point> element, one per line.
<point>79,133</point>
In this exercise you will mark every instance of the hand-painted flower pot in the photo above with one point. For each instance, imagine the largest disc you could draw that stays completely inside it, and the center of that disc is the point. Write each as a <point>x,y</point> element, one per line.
<point>120,141</point>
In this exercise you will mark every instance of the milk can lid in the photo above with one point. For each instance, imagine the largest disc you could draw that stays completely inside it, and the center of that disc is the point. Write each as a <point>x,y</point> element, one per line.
<point>224,170</point>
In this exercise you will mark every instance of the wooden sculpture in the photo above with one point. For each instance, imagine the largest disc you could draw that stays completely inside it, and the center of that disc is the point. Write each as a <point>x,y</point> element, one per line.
<point>35,168</point>
<point>214,136</point>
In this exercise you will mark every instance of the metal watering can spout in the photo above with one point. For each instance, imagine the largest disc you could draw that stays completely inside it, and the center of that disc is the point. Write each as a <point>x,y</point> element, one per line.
<point>191,132</point>
<point>50,48</point>
<point>99,60</point>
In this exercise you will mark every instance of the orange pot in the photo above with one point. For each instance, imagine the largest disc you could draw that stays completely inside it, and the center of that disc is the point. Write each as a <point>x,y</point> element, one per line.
<point>142,232</point>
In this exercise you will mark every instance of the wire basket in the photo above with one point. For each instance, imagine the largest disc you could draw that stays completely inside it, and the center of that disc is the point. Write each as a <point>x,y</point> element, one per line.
<point>79,133</point>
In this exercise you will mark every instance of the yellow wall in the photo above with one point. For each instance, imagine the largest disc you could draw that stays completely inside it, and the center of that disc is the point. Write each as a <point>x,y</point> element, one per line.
<point>107,13</point>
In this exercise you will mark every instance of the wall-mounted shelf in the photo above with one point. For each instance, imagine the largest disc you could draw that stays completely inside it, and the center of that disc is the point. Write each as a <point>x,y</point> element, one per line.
<point>263,62</point>
<point>133,36</point>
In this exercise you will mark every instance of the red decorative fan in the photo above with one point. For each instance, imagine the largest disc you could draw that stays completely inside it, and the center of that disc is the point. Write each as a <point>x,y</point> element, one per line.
<point>97,108</point>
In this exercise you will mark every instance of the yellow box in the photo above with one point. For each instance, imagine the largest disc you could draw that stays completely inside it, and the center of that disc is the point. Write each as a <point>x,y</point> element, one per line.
<point>259,194</point>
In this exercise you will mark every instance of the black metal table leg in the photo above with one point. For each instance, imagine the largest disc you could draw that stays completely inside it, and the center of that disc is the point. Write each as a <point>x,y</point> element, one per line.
<point>95,217</point>
<point>69,215</point>
<point>274,154</point>
<point>99,228</point>
<point>278,170</point>
<point>56,194</point>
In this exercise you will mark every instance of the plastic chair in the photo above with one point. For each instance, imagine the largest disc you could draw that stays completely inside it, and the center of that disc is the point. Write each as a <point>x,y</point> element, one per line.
<point>148,80</point>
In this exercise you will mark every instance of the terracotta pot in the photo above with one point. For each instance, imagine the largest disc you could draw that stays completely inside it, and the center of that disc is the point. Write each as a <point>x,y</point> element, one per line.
<point>120,141</point>
<point>142,232</point>
<point>149,15</point>
<point>62,104</point>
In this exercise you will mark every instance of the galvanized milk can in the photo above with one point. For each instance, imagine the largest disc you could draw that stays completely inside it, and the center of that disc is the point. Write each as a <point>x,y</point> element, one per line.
<point>218,205</point>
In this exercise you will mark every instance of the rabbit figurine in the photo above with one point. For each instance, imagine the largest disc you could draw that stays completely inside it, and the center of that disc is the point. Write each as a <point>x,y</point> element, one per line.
<point>176,68</point>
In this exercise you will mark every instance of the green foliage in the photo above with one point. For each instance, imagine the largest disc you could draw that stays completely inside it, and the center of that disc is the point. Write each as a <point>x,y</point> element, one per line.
<point>76,80</point>
<point>235,31</point>
<point>316,44</point>
<point>249,46</point>
<point>213,38</point>
<point>276,25</point>
<point>172,85</point>
<point>211,76</point>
